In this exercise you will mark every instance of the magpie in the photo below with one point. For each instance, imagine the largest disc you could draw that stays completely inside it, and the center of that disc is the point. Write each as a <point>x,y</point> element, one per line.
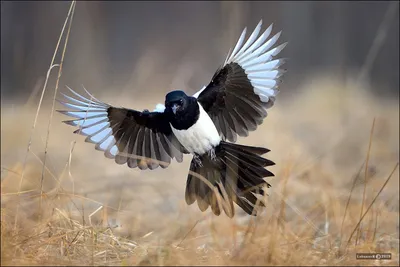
<point>205,125</point>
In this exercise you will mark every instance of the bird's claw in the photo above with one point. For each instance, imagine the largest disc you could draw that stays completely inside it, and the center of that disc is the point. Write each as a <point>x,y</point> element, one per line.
<point>198,161</point>
<point>212,154</point>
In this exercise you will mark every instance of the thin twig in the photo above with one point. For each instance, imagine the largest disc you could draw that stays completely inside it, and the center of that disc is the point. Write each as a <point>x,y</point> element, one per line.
<point>37,112</point>
<point>366,176</point>
<point>373,201</point>
<point>73,4</point>
<point>348,202</point>
<point>191,229</point>
<point>376,224</point>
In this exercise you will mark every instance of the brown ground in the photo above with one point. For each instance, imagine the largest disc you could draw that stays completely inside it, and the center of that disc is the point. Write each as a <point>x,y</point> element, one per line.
<point>318,138</point>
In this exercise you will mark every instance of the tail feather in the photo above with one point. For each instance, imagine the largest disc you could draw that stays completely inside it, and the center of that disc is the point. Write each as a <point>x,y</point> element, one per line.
<point>237,173</point>
<point>203,192</point>
<point>251,158</point>
<point>246,149</point>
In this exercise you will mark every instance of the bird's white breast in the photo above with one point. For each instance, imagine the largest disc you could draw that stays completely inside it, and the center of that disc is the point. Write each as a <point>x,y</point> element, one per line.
<point>201,137</point>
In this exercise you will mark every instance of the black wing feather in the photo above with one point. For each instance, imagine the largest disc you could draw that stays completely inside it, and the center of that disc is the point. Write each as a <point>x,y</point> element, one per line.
<point>245,86</point>
<point>140,139</point>
<point>227,94</point>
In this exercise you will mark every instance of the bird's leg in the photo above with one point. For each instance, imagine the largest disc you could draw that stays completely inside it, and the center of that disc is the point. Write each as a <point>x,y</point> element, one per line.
<point>212,154</point>
<point>197,160</point>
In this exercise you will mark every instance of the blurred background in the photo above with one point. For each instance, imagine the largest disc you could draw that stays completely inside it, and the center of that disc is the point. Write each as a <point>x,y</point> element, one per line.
<point>342,73</point>
<point>110,39</point>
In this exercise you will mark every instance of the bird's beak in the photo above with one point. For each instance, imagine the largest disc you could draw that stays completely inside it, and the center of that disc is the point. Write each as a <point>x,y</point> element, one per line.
<point>174,108</point>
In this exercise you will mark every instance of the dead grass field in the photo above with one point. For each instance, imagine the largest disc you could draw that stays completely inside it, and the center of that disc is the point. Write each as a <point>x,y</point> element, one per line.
<point>95,212</point>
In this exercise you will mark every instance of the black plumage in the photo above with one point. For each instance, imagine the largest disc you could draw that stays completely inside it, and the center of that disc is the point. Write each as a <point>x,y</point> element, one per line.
<point>229,100</point>
<point>142,135</point>
<point>238,169</point>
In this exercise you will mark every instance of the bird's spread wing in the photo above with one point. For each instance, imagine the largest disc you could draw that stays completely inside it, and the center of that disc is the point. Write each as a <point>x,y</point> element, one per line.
<point>140,139</point>
<point>246,85</point>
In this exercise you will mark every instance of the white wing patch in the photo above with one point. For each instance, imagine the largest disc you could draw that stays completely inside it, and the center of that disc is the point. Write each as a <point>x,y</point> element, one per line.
<point>91,118</point>
<point>196,95</point>
<point>255,56</point>
<point>159,108</point>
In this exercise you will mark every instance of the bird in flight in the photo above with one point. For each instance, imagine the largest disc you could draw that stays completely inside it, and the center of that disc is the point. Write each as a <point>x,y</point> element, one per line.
<point>205,125</point>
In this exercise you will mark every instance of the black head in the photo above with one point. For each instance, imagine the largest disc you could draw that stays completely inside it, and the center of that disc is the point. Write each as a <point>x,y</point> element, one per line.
<point>177,101</point>
<point>182,109</point>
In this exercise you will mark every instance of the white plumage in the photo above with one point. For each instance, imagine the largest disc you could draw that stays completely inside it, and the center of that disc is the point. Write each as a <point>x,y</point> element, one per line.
<point>159,108</point>
<point>198,93</point>
<point>201,137</point>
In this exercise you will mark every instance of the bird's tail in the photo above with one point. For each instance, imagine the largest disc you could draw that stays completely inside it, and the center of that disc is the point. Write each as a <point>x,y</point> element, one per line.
<point>234,174</point>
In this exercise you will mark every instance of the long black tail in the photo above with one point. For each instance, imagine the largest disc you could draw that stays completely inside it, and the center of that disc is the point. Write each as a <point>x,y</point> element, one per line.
<point>236,172</point>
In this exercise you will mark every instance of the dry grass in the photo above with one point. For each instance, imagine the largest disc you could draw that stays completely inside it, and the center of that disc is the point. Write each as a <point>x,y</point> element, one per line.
<point>97,212</point>
<point>80,208</point>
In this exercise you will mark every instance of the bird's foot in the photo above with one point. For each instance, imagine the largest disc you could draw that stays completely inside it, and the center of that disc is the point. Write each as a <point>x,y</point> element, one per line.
<point>212,154</point>
<point>198,160</point>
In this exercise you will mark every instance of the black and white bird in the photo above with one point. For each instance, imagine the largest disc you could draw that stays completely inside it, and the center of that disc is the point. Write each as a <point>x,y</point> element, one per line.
<point>234,103</point>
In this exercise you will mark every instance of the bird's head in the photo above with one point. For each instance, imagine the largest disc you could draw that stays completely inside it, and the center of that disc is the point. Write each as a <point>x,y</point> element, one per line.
<point>182,109</point>
<point>176,102</point>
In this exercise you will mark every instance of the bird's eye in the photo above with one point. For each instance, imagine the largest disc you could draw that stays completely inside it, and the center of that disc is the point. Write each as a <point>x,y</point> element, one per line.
<point>181,101</point>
